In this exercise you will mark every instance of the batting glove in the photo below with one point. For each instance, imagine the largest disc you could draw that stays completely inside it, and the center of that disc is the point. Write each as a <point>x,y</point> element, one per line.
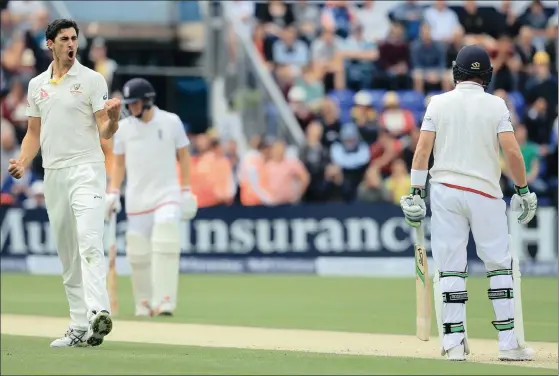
<point>525,201</point>
<point>112,204</point>
<point>189,204</point>
<point>414,207</point>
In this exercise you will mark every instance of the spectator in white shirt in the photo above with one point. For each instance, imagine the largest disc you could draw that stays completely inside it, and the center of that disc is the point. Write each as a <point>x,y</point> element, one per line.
<point>443,21</point>
<point>290,54</point>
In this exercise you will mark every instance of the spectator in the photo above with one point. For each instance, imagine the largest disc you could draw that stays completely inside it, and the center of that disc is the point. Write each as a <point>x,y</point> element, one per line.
<point>397,121</point>
<point>365,116</point>
<point>14,105</point>
<point>290,53</point>
<point>409,150</point>
<point>311,82</point>
<point>394,59</point>
<point>374,22</point>
<point>384,151</point>
<point>12,42</point>
<point>506,21</point>
<point>211,174</point>
<point>337,16</point>
<point>443,21</point>
<point>551,44</point>
<point>101,63</point>
<point>351,154</point>
<point>473,22</point>
<point>315,157</point>
<point>428,61</point>
<point>276,16</point>
<point>297,99</point>
<point>9,147</point>
<point>399,182</point>
<point>36,199</point>
<point>535,17</point>
<point>334,187</point>
<point>451,52</point>
<point>372,189</point>
<point>524,46</point>
<point>541,84</point>
<point>531,154</point>
<point>307,19</point>
<point>288,178</point>
<point>507,67</point>
<point>537,122</point>
<point>253,181</point>
<point>325,54</point>
<point>410,15</point>
<point>360,56</point>
<point>330,119</point>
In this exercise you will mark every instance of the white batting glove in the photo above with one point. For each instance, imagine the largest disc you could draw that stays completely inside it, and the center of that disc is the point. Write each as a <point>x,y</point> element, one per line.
<point>414,209</point>
<point>189,204</point>
<point>112,204</point>
<point>525,201</point>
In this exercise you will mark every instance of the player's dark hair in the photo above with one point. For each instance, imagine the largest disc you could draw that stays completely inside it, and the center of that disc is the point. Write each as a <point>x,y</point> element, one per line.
<point>62,23</point>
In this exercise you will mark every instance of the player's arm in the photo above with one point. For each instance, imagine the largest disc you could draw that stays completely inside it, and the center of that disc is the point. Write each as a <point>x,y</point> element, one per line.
<point>513,158</point>
<point>183,157</point>
<point>107,111</point>
<point>420,162</point>
<point>31,142</point>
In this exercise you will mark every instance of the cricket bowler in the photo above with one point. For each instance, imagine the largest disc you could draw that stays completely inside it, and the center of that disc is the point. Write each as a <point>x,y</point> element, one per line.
<point>464,128</point>
<point>68,109</point>
<point>147,147</point>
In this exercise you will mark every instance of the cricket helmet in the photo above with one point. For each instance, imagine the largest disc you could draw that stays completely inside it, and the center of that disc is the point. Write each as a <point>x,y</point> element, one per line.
<point>138,89</point>
<point>472,62</point>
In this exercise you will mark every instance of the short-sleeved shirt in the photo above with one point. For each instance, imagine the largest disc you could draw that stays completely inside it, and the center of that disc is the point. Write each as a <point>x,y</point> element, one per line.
<point>150,151</point>
<point>69,133</point>
<point>467,121</point>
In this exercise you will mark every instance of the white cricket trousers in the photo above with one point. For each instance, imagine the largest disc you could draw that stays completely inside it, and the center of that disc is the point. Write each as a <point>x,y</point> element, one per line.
<point>454,213</point>
<point>75,201</point>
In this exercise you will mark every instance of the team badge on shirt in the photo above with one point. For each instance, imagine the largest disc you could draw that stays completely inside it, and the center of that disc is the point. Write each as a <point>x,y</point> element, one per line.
<point>76,89</point>
<point>105,96</point>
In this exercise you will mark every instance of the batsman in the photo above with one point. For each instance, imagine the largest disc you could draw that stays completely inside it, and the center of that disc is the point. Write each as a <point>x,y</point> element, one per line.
<point>147,147</point>
<point>465,128</point>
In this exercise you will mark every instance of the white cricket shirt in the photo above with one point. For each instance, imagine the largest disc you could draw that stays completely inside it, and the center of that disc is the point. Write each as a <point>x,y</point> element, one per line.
<point>466,151</point>
<point>69,133</point>
<point>150,159</point>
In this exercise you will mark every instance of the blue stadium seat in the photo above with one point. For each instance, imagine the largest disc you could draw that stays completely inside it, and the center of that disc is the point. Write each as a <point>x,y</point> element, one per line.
<point>517,100</point>
<point>418,116</point>
<point>412,100</point>
<point>343,97</point>
<point>345,114</point>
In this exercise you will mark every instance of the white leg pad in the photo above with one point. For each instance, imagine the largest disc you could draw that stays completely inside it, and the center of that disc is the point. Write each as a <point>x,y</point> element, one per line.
<point>166,259</point>
<point>438,302</point>
<point>139,253</point>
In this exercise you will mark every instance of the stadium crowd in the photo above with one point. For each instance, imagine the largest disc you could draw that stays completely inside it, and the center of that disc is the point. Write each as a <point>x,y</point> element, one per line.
<point>358,82</point>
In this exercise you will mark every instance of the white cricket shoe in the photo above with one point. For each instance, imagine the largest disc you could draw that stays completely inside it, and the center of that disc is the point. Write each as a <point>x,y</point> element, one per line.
<point>456,353</point>
<point>144,310</point>
<point>518,354</point>
<point>101,325</point>
<point>72,338</point>
<point>165,308</point>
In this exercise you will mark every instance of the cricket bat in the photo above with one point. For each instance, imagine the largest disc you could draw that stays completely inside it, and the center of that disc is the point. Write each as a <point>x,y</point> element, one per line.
<point>422,288</point>
<point>111,274</point>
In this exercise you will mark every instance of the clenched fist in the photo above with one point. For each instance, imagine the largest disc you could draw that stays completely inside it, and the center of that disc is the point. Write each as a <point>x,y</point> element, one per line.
<point>112,106</point>
<point>16,168</point>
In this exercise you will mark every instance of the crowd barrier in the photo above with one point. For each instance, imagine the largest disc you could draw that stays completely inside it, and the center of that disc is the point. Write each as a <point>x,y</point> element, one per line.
<point>329,239</point>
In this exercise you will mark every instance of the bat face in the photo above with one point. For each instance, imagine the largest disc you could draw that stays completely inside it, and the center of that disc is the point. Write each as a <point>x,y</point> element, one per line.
<point>423,294</point>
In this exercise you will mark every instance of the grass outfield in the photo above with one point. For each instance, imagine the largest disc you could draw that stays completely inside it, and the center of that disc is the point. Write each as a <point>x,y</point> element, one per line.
<point>362,305</point>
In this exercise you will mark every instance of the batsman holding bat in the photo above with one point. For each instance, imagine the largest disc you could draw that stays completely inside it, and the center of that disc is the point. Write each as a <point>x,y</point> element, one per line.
<point>147,146</point>
<point>68,109</point>
<point>464,128</point>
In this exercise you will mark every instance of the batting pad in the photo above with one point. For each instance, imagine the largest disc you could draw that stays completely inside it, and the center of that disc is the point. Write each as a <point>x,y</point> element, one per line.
<point>138,252</point>
<point>165,242</point>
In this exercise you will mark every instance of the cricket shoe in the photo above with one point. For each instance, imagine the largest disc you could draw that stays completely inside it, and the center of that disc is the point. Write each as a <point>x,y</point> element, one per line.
<point>456,353</point>
<point>101,325</point>
<point>518,354</point>
<point>165,308</point>
<point>72,338</point>
<point>144,310</point>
